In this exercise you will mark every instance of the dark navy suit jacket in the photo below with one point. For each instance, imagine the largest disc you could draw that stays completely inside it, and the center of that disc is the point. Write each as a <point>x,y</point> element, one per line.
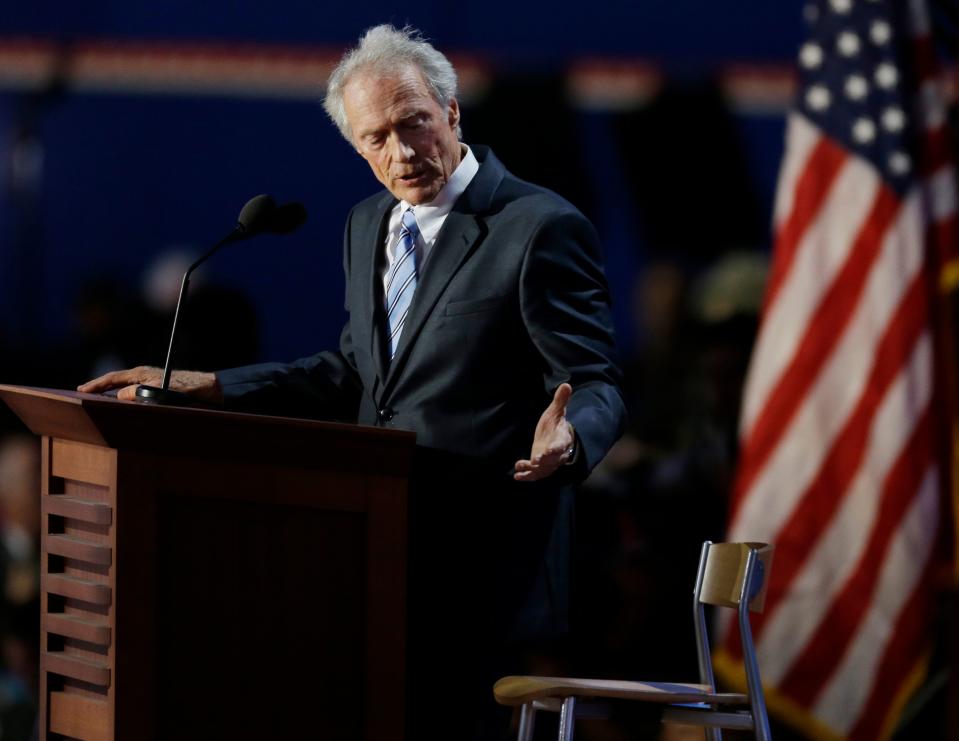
<point>511,303</point>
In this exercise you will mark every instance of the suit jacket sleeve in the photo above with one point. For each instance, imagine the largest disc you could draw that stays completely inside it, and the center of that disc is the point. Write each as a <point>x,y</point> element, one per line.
<point>324,386</point>
<point>565,305</point>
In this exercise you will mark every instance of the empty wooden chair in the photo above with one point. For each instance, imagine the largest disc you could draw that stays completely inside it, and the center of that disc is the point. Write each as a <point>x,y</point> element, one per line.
<point>730,575</point>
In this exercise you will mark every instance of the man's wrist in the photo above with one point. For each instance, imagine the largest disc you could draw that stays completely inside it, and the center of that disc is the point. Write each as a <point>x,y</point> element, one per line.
<point>572,452</point>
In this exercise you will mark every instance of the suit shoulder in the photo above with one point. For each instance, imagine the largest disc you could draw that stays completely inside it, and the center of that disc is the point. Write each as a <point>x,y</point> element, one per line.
<point>517,195</point>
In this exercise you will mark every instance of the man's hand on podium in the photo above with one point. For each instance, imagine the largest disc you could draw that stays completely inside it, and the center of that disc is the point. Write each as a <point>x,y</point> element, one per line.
<point>202,386</point>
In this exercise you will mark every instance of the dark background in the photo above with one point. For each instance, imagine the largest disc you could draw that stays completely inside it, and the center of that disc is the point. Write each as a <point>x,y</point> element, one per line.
<point>127,174</point>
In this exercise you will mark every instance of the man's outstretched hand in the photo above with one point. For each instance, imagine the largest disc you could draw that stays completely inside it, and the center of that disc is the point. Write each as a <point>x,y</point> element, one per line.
<point>203,386</point>
<point>552,441</point>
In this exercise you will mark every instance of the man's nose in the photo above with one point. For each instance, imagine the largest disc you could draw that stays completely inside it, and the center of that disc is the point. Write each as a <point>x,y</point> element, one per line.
<point>402,150</point>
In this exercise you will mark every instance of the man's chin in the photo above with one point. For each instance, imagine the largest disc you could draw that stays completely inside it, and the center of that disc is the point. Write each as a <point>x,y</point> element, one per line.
<point>415,193</point>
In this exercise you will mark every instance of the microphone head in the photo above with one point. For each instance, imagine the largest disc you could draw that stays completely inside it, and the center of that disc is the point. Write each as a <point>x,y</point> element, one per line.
<point>255,216</point>
<point>287,218</point>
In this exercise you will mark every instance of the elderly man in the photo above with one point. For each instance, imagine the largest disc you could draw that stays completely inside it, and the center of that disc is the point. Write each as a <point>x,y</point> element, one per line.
<point>478,318</point>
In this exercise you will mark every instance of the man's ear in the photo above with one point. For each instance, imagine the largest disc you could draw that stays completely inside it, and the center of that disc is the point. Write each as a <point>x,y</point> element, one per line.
<point>453,115</point>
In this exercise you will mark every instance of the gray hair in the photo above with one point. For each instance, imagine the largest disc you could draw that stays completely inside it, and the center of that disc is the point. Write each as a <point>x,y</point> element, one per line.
<point>384,49</point>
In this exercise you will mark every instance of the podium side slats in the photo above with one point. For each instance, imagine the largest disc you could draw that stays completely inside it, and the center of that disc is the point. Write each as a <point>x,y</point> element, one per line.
<point>78,509</point>
<point>81,589</point>
<point>74,667</point>
<point>82,550</point>
<point>72,626</point>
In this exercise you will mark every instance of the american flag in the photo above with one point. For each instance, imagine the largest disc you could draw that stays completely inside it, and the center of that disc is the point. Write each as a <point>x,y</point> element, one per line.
<point>842,427</point>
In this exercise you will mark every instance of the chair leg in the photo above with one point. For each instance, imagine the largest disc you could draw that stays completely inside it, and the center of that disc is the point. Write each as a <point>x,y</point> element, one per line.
<point>527,721</point>
<point>567,716</point>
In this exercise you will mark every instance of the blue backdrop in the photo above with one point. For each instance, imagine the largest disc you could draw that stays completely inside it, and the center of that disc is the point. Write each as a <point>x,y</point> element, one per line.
<point>126,174</point>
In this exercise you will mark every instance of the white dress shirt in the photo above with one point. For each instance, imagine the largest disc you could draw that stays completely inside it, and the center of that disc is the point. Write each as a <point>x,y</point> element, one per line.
<point>430,217</point>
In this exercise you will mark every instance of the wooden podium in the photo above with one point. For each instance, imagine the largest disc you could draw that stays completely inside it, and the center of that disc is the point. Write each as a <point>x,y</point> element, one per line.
<point>207,574</point>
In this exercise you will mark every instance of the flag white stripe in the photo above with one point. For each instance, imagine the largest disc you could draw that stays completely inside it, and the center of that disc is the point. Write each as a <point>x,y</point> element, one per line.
<point>843,699</point>
<point>801,137</point>
<point>794,463</point>
<point>833,559</point>
<point>821,253</point>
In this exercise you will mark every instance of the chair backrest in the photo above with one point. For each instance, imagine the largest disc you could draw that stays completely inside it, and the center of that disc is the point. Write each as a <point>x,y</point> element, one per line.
<point>725,570</point>
<point>722,580</point>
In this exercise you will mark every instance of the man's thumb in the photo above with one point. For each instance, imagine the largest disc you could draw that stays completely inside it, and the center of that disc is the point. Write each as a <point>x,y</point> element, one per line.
<point>561,399</point>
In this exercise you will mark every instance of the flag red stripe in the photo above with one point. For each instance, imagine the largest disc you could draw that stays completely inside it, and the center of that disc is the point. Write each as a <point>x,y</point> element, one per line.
<point>905,645</point>
<point>812,670</point>
<point>821,169</point>
<point>820,501</point>
<point>821,336</point>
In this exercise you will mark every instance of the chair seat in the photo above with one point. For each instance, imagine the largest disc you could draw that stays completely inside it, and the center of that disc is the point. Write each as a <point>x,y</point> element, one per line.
<point>520,690</point>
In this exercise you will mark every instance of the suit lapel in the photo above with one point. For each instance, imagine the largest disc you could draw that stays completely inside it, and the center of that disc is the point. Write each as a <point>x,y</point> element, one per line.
<point>365,322</point>
<point>461,231</point>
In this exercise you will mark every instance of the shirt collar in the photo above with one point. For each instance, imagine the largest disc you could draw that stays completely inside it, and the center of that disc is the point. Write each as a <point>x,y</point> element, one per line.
<point>430,216</point>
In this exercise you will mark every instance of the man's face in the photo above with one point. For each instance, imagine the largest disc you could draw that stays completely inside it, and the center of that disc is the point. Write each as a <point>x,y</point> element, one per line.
<point>408,139</point>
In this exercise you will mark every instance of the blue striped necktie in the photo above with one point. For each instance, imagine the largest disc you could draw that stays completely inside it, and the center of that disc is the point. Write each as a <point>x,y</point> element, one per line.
<point>402,279</point>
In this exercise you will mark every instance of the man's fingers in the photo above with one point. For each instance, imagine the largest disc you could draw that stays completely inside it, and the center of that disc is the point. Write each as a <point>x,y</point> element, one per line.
<point>127,393</point>
<point>106,382</point>
<point>120,379</point>
<point>94,385</point>
<point>539,467</point>
<point>526,474</point>
<point>534,475</point>
<point>553,455</point>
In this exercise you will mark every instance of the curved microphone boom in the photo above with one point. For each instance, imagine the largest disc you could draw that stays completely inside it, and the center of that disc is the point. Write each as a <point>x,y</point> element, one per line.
<point>258,216</point>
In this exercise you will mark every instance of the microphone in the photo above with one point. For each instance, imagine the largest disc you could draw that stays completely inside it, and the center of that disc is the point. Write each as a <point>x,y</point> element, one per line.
<point>258,216</point>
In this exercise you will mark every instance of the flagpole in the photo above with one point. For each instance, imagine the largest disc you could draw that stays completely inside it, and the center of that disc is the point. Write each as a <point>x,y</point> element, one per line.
<point>948,309</point>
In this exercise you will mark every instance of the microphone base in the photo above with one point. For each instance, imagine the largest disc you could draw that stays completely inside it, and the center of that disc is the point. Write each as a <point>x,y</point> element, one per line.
<point>156,395</point>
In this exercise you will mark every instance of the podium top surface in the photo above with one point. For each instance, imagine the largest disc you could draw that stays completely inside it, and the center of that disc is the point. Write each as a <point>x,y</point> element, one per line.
<point>106,421</point>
